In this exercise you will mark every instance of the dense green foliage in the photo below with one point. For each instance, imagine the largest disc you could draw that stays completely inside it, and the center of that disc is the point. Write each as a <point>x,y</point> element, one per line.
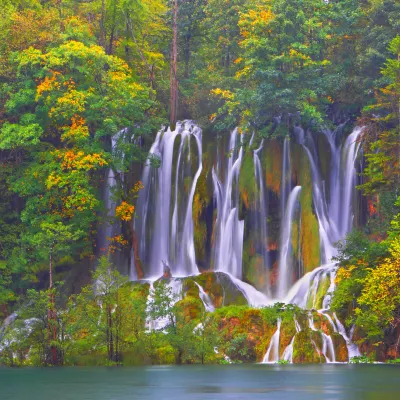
<point>82,81</point>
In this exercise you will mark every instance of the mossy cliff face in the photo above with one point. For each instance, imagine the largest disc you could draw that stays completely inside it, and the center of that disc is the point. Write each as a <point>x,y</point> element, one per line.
<point>305,239</point>
<point>247,184</point>
<point>246,328</point>
<point>272,162</point>
<point>203,211</point>
<point>260,255</point>
<point>220,289</point>
<point>305,235</point>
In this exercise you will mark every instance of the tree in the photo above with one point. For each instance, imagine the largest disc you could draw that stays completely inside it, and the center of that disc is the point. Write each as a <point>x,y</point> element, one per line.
<point>51,240</point>
<point>183,322</point>
<point>107,317</point>
<point>33,330</point>
<point>68,104</point>
<point>174,66</point>
<point>383,129</point>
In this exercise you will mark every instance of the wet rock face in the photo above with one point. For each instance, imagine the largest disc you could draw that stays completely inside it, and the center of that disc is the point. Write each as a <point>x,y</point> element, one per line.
<point>342,354</point>
<point>220,289</point>
<point>305,348</point>
<point>167,274</point>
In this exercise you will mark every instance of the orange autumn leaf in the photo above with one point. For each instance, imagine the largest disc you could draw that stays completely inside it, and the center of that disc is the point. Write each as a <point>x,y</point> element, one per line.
<point>125,211</point>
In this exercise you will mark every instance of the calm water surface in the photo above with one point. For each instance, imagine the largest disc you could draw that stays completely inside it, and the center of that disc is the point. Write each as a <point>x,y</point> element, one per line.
<point>327,382</point>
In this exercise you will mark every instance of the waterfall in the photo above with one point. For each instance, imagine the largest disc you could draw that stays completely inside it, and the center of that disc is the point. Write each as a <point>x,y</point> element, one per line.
<point>261,209</point>
<point>328,350</point>
<point>165,225</point>
<point>164,237</point>
<point>336,220</point>
<point>352,348</point>
<point>304,291</point>
<point>205,298</point>
<point>253,296</point>
<point>272,354</point>
<point>350,150</point>
<point>285,278</point>
<point>288,352</point>
<point>229,229</point>
<point>286,181</point>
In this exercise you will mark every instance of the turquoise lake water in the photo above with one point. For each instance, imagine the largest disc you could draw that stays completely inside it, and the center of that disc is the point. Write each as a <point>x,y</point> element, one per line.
<point>294,382</point>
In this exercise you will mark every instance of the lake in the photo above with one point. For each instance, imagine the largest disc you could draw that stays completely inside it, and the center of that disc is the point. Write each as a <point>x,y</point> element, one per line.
<point>294,382</point>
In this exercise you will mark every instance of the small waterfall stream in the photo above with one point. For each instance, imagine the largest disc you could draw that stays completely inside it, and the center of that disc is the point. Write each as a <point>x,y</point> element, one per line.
<point>229,229</point>
<point>288,352</point>
<point>205,298</point>
<point>272,354</point>
<point>261,209</point>
<point>285,267</point>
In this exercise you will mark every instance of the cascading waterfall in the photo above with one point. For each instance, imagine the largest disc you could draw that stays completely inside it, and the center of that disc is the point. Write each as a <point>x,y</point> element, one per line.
<point>327,350</point>
<point>333,226</point>
<point>162,238</point>
<point>350,149</point>
<point>229,229</point>
<point>352,348</point>
<point>285,279</point>
<point>252,295</point>
<point>166,229</point>
<point>261,210</point>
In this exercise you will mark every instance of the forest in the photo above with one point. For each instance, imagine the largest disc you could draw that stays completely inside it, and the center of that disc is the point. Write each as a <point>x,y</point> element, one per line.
<point>87,219</point>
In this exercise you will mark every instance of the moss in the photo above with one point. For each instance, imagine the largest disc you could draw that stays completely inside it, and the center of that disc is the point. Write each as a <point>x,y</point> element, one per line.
<point>253,264</point>
<point>339,344</point>
<point>220,289</point>
<point>321,292</point>
<point>191,305</point>
<point>295,237</point>
<point>303,348</point>
<point>288,330</point>
<point>247,183</point>
<point>200,237</point>
<point>255,272</point>
<point>202,197</point>
<point>273,165</point>
<point>324,152</point>
<point>309,229</point>
<point>248,323</point>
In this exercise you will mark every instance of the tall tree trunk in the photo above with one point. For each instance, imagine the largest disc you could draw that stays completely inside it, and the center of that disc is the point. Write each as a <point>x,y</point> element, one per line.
<point>128,227</point>
<point>51,313</point>
<point>127,36</point>
<point>174,67</point>
<point>110,335</point>
<point>135,247</point>
<point>113,28</point>
<point>60,14</point>
<point>102,35</point>
<point>187,53</point>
